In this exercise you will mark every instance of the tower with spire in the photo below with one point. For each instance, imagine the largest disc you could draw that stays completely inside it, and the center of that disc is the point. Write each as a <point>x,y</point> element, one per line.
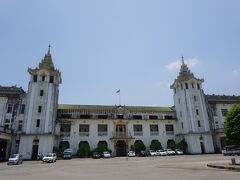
<point>41,109</point>
<point>192,118</point>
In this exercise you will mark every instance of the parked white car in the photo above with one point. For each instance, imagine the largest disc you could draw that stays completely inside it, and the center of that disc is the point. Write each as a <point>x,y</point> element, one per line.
<point>152,153</point>
<point>106,154</point>
<point>170,152</point>
<point>161,152</point>
<point>131,154</point>
<point>178,152</point>
<point>50,157</point>
<point>15,159</point>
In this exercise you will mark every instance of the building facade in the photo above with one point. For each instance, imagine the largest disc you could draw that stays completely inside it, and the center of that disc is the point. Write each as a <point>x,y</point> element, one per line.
<point>33,122</point>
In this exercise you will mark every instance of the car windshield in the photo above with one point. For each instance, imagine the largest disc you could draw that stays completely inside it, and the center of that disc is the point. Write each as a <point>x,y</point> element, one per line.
<point>49,155</point>
<point>13,156</point>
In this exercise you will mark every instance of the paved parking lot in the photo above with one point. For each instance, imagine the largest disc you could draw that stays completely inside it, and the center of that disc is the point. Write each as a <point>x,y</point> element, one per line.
<point>144,168</point>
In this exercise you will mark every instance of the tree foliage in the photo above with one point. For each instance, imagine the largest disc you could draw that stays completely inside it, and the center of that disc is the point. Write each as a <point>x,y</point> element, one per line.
<point>171,144</point>
<point>139,146</point>
<point>232,125</point>
<point>155,145</point>
<point>182,145</point>
<point>84,150</point>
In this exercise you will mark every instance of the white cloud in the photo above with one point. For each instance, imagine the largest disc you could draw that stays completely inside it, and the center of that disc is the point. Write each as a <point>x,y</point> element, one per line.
<point>175,65</point>
<point>236,72</point>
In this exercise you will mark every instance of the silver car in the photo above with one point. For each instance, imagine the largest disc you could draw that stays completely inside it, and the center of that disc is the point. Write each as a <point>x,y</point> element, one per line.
<point>15,159</point>
<point>50,157</point>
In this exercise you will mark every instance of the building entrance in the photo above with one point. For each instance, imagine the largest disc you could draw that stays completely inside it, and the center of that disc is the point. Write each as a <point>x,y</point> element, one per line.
<point>3,149</point>
<point>121,148</point>
<point>35,149</point>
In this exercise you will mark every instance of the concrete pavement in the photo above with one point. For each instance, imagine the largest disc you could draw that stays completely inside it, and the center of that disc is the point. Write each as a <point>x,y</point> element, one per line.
<point>192,167</point>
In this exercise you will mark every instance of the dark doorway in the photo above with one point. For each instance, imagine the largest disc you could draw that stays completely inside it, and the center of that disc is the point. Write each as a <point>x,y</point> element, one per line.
<point>3,148</point>
<point>64,145</point>
<point>35,149</point>
<point>121,148</point>
<point>223,142</point>
<point>202,147</point>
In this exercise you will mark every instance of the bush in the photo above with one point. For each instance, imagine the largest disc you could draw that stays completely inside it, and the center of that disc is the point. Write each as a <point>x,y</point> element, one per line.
<point>57,150</point>
<point>84,150</point>
<point>182,145</point>
<point>155,145</point>
<point>171,144</point>
<point>139,146</point>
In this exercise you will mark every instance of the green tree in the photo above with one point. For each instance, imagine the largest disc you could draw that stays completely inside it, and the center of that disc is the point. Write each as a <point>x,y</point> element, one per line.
<point>232,125</point>
<point>84,150</point>
<point>182,145</point>
<point>139,146</point>
<point>155,145</point>
<point>101,148</point>
<point>132,148</point>
<point>171,144</point>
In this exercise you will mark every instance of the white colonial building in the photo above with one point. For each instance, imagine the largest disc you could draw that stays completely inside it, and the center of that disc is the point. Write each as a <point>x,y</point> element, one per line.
<point>34,122</point>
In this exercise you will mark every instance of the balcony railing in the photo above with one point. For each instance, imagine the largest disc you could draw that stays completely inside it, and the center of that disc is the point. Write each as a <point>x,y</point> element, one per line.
<point>65,134</point>
<point>154,133</point>
<point>169,132</point>
<point>84,134</point>
<point>5,130</point>
<point>103,133</point>
<point>138,133</point>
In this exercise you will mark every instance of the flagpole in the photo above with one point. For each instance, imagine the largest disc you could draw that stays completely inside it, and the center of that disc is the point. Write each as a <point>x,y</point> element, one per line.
<point>119,98</point>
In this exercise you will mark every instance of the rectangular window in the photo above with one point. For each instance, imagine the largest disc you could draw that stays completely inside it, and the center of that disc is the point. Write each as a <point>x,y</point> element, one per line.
<point>38,123</point>
<point>102,129</point>
<point>39,109</point>
<point>137,130</point>
<point>224,112</point>
<point>195,98</point>
<point>198,86</point>
<point>153,117</point>
<point>197,111</point>
<point>51,79</point>
<point>20,127</point>
<point>169,129</point>
<point>192,85</point>
<point>181,87</point>
<point>154,130</point>
<point>137,117</point>
<point>43,78</point>
<point>41,92</point>
<point>7,121</point>
<point>10,108</point>
<point>199,124</point>
<point>83,129</point>
<point>175,91</point>
<point>35,78</point>
<point>186,85</point>
<point>85,116</point>
<point>182,125</point>
<point>22,109</point>
<point>119,116</point>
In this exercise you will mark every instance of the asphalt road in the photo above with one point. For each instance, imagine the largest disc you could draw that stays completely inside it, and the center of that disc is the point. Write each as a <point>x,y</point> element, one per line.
<point>187,167</point>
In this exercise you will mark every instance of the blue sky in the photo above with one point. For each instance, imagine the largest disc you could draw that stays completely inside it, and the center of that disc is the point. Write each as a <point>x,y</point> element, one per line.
<point>134,45</point>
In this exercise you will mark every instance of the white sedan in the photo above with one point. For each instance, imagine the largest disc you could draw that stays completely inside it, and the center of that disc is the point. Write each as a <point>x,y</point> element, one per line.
<point>170,152</point>
<point>106,154</point>
<point>131,154</point>
<point>178,152</point>
<point>161,153</point>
